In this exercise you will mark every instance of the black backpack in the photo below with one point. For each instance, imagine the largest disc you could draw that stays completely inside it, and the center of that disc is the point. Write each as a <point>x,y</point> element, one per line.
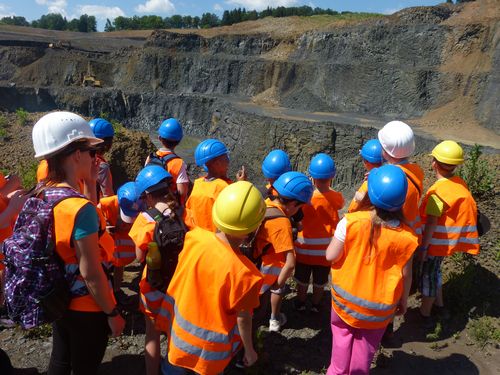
<point>169,234</point>
<point>248,246</point>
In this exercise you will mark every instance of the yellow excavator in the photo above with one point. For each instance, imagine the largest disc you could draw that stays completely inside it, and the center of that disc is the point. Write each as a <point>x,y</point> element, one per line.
<point>89,79</point>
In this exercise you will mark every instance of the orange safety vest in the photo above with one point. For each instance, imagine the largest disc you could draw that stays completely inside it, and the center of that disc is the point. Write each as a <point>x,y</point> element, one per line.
<point>64,218</point>
<point>456,229</point>
<point>366,291</point>
<point>411,211</point>
<point>318,226</point>
<point>274,239</point>
<point>173,167</point>
<point>199,204</point>
<point>201,317</point>
<point>355,205</point>
<point>124,247</point>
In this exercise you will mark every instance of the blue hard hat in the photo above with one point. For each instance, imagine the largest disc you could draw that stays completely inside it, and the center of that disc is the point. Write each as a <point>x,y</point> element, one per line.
<point>322,166</point>
<point>387,187</point>
<point>275,164</point>
<point>294,185</point>
<point>102,128</point>
<point>170,129</point>
<point>152,178</point>
<point>372,151</point>
<point>207,150</point>
<point>128,200</point>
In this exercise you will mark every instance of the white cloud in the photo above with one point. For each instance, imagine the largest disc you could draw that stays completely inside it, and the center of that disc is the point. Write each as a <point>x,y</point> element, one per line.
<point>218,7</point>
<point>261,4</point>
<point>391,10</point>
<point>4,11</point>
<point>156,6</point>
<point>54,6</point>
<point>101,12</point>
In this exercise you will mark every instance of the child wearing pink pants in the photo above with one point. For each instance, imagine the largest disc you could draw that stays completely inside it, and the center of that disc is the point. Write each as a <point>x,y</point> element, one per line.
<point>371,254</point>
<point>350,347</point>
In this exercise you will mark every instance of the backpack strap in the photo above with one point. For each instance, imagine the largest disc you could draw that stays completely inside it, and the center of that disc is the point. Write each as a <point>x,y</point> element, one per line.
<point>166,158</point>
<point>155,214</point>
<point>273,213</point>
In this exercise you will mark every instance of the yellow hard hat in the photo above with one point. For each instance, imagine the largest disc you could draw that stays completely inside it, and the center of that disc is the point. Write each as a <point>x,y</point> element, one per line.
<point>448,152</point>
<point>239,209</point>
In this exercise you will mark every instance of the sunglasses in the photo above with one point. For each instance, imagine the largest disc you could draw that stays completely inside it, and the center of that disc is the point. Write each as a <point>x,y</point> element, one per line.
<point>92,151</point>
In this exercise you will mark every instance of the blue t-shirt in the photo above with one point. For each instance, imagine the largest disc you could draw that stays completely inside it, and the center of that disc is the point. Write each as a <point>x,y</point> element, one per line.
<point>86,222</point>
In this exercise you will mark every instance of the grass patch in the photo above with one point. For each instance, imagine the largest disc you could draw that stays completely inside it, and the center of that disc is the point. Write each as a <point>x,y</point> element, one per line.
<point>3,121</point>
<point>484,330</point>
<point>22,116</point>
<point>436,334</point>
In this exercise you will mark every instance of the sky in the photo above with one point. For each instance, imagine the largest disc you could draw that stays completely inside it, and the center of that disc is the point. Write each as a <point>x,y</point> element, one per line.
<point>33,9</point>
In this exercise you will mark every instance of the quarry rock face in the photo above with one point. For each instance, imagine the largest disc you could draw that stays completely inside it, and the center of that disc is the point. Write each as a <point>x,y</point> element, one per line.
<point>393,67</point>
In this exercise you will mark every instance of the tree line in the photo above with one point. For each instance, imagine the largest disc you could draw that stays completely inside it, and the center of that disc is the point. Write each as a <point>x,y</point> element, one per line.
<point>86,23</point>
<point>208,20</point>
<point>55,21</point>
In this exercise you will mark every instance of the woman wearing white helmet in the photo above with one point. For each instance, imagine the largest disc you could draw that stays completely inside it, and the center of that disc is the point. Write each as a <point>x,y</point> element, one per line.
<point>80,337</point>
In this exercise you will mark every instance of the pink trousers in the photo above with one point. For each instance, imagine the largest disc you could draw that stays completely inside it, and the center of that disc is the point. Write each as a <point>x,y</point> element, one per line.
<point>352,348</point>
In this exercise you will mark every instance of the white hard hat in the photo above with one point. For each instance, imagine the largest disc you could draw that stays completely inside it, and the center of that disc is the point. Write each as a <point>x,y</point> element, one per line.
<point>54,131</point>
<point>397,139</point>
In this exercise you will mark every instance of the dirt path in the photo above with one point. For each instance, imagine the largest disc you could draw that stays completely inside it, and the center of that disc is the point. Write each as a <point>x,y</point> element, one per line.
<point>457,128</point>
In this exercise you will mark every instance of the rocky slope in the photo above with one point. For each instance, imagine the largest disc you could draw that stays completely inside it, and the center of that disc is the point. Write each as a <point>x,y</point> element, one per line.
<point>437,66</point>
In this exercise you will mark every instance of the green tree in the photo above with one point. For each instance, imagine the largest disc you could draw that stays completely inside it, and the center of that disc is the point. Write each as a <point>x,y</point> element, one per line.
<point>73,25</point>
<point>109,26</point>
<point>176,21</point>
<point>14,20</point>
<point>209,20</point>
<point>87,24</point>
<point>51,21</point>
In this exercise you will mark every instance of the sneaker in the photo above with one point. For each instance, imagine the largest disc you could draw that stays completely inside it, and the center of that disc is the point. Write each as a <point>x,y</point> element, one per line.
<point>299,305</point>
<point>276,324</point>
<point>315,308</point>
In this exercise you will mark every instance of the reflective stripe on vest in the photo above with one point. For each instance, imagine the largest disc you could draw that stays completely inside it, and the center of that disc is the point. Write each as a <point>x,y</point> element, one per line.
<point>198,352</point>
<point>270,270</point>
<point>360,316</point>
<point>314,241</point>
<point>314,253</point>
<point>362,302</point>
<point>124,242</point>
<point>470,241</point>
<point>465,229</point>
<point>203,334</point>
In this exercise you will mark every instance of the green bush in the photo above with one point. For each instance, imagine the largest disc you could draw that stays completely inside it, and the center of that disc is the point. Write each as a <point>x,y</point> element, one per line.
<point>477,173</point>
<point>22,116</point>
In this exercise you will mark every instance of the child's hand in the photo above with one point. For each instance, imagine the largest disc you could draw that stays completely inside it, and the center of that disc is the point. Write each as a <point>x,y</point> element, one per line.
<point>17,199</point>
<point>250,357</point>
<point>242,174</point>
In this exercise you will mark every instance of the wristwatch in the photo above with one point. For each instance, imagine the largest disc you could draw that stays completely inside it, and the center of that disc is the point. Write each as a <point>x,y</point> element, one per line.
<point>113,313</point>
